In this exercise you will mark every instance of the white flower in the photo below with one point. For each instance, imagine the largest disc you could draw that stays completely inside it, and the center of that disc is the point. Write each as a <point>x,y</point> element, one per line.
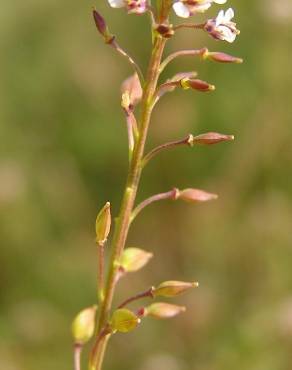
<point>186,8</point>
<point>132,6</point>
<point>222,28</point>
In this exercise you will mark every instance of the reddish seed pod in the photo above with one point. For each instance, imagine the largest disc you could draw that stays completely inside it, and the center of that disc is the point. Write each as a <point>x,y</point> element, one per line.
<point>99,22</point>
<point>196,84</point>
<point>211,138</point>
<point>196,195</point>
<point>102,27</point>
<point>222,58</point>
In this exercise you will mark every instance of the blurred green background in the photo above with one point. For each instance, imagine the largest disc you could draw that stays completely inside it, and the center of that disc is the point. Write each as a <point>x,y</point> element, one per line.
<point>64,153</point>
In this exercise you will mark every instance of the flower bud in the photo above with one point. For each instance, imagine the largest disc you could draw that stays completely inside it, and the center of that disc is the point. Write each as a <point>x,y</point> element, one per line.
<point>222,57</point>
<point>163,310</point>
<point>211,138</point>
<point>196,85</point>
<point>102,27</point>
<point>196,195</point>
<point>133,259</point>
<point>183,75</point>
<point>124,320</point>
<point>173,288</point>
<point>103,224</point>
<point>83,325</point>
<point>131,88</point>
<point>165,30</point>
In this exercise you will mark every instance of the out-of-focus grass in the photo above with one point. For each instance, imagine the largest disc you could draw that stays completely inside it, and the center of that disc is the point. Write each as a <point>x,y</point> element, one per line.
<point>63,154</point>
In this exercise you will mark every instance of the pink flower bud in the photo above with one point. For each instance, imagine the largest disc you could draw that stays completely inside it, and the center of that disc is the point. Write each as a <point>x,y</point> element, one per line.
<point>131,88</point>
<point>163,310</point>
<point>124,320</point>
<point>196,85</point>
<point>133,259</point>
<point>196,195</point>
<point>210,138</point>
<point>173,288</point>
<point>165,30</point>
<point>222,58</point>
<point>103,224</point>
<point>102,27</point>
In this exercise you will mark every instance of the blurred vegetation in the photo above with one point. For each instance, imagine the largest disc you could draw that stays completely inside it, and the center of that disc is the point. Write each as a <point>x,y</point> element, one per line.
<point>63,154</point>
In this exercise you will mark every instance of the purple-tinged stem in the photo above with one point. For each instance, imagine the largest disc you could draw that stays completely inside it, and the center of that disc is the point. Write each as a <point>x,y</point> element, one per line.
<point>147,293</point>
<point>172,194</point>
<point>77,356</point>
<point>172,144</point>
<point>193,26</point>
<point>180,53</point>
<point>121,51</point>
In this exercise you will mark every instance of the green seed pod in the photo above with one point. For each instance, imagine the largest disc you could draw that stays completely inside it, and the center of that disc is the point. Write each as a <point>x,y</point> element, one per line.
<point>163,310</point>
<point>133,259</point>
<point>173,288</point>
<point>124,320</point>
<point>103,224</point>
<point>83,325</point>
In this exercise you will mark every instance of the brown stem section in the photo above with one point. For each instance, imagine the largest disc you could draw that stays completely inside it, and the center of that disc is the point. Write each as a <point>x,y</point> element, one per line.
<point>123,221</point>
<point>77,356</point>
<point>193,26</point>
<point>121,51</point>
<point>180,53</point>
<point>147,293</point>
<point>171,144</point>
<point>172,194</point>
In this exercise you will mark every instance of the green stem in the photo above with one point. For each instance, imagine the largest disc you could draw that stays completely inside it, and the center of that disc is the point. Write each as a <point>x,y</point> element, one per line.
<point>124,218</point>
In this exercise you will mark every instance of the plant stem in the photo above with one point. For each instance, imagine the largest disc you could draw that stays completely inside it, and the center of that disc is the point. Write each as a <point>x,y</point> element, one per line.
<point>172,194</point>
<point>124,218</point>
<point>147,293</point>
<point>169,145</point>
<point>190,52</point>
<point>77,356</point>
<point>100,282</point>
<point>193,26</point>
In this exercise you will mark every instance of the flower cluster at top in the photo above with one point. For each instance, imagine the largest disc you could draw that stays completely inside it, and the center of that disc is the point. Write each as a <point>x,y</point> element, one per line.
<point>220,28</point>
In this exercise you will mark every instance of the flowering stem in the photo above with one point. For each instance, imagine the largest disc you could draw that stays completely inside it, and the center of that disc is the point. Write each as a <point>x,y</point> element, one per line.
<point>147,293</point>
<point>77,356</point>
<point>172,144</point>
<point>172,194</point>
<point>124,218</point>
<point>171,57</point>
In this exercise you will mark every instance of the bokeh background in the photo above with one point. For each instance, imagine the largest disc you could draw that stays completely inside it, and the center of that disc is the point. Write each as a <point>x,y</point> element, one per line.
<point>63,154</point>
